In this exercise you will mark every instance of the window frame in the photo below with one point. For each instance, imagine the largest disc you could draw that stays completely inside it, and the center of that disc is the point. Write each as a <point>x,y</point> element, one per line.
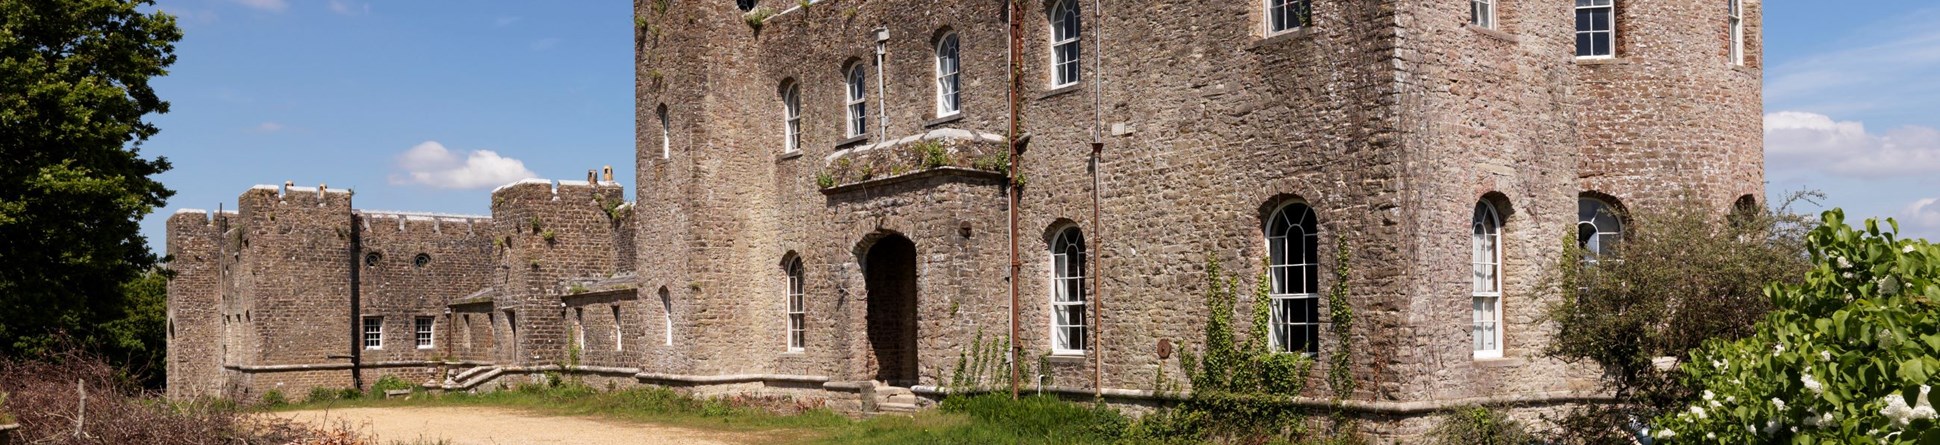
<point>1069,287</point>
<point>619,335</point>
<point>1735,14</point>
<point>373,333</point>
<point>1609,8</point>
<point>424,331</point>
<point>1485,259</point>
<point>1482,13</point>
<point>949,75</point>
<point>666,133</point>
<point>1065,16</point>
<point>791,112</point>
<point>1284,16</point>
<point>1605,237</point>
<point>579,329</point>
<point>1280,269</point>
<point>795,296</point>
<point>855,85</point>
<point>667,314</point>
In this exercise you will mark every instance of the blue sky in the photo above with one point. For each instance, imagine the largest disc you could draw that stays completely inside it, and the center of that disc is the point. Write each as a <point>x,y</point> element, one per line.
<point>427,105</point>
<point>415,105</point>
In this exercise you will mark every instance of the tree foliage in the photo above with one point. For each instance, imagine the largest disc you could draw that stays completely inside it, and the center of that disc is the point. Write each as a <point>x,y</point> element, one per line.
<point>74,92</point>
<point>1849,355</point>
<point>1683,274</point>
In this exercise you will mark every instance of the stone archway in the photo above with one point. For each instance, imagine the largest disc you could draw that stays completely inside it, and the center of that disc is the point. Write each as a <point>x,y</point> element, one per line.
<point>889,272</point>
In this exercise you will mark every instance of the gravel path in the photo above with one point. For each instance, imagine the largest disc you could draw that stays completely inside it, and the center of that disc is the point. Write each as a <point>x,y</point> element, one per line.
<point>495,426</point>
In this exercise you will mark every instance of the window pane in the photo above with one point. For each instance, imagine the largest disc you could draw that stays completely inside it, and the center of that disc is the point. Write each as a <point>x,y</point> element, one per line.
<point>1582,21</point>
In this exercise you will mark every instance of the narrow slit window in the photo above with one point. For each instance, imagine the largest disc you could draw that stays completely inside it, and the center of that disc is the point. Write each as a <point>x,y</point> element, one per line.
<point>1293,259</point>
<point>1068,308</point>
<point>858,102</point>
<point>791,108</point>
<point>797,310</point>
<point>1736,13</point>
<point>948,70</point>
<point>619,335</point>
<point>1065,30</point>
<point>1596,34</point>
<point>1486,261</point>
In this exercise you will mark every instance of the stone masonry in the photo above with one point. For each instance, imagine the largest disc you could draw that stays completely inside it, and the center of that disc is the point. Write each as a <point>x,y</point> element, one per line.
<point>1392,119</point>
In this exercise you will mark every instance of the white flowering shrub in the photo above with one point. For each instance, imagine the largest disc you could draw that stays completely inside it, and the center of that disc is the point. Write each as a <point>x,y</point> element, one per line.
<point>1849,355</point>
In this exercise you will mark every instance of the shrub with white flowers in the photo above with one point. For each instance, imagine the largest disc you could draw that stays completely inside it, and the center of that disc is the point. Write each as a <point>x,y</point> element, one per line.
<point>1850,355</point>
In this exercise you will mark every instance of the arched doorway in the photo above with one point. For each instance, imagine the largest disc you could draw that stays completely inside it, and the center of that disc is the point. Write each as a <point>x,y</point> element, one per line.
<point>889,271</point>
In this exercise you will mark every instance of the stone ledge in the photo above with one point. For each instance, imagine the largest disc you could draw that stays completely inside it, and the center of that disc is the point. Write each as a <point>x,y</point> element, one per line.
<point>960,172</point>
<point>730,378</point>
<point>1364,406</point>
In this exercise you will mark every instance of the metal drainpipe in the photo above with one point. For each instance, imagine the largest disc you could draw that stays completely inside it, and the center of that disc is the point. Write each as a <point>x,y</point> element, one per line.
<point>356,312</point>
<point>1098,225</point>
<point>882,85</point>
<point>1010,184</point>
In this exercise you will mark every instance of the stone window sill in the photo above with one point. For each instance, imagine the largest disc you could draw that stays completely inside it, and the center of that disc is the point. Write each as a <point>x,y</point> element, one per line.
<point>788,155</point>
<point>1301,33</point>
<point>1068,358</point>
<point>1075,86</point>
<point>1493,33</point>
<point>1500,362</point>
<point>860,138</point>
<point>953,117</point>
<point>1601,60</point>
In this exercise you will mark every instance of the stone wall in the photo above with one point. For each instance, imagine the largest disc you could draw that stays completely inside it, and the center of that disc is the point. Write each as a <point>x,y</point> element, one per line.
<point>194,316</point>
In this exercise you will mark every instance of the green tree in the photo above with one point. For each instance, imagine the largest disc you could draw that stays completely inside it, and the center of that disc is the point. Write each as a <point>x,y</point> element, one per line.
<point>74,92</point>
<point>1683,274</point>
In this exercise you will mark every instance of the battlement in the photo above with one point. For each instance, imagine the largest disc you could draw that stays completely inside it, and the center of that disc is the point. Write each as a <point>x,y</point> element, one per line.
<point>198,217</point>
<point>438,223</point>
<point>290,194</point>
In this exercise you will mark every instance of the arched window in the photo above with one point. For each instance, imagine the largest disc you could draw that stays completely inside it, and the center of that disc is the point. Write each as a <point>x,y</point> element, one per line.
<point>667,313</point>
<point>858,102</point>
<point>1065,29</point>
<point>1068,292</point>
<point>948,68</point>
<point>791,111</point>
<point>1288,15</point>
<point>1486,257</point>
<point>797,310</point>
<point>1293,257</point>
<point>666,133</point>
<point>1597,228</point>
<point>1482,13</point>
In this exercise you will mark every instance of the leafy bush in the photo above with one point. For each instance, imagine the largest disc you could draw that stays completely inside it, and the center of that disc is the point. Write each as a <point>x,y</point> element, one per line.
<point>1478,426</point>
<point>321,394</point>
<point>1847,356</point>
<point>274,398</point>
<point>1681,275</point>
<point>388,383</point>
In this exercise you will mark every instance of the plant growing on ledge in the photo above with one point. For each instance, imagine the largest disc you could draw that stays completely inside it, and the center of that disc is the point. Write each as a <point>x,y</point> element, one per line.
<point>549,236</point>
<point>577,289</point>
<point>534,222</point>
<point>758,17</point>
<point>824,179</point>
<point>932,154</point>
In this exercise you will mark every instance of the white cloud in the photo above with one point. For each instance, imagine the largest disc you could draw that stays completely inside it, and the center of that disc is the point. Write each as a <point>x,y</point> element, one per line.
<point>349,8</point>
<point>1922,215</point>
<point>431,164</point>
<point>1815,142</point>
<point>269,127</point>
<point>265,5</point>
<point>1881,67</point>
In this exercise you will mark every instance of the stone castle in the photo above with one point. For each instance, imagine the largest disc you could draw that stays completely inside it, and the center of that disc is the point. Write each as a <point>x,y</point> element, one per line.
<point>826,206</point>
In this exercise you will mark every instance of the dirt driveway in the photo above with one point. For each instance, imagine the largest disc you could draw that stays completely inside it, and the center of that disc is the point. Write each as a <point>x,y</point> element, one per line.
<point>496,426</point>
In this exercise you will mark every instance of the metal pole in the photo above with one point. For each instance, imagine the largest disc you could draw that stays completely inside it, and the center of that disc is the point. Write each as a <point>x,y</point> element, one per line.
<point>1098,225</point>
<point>1010,185</point>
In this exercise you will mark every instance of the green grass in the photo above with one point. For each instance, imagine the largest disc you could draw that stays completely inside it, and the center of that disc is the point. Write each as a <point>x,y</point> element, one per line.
<point>967,420</point>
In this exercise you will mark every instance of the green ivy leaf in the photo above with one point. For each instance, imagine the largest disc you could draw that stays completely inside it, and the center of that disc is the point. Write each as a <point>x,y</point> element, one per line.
<point>1914,371</point>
